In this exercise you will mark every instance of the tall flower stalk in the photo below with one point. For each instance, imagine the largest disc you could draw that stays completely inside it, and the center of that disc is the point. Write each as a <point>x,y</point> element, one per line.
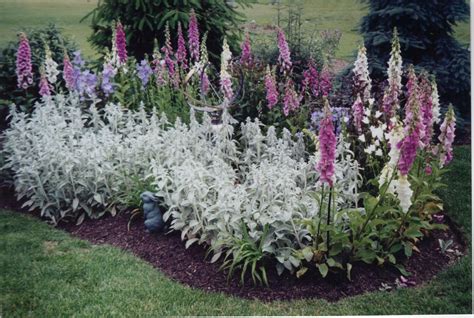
<point>246,55</point>
<point>24,69</point>
<point>392,94</point>
<point>120,43</point>
<point>362,80</point>
<point>225,78</point>
<point>181,54</point>
<point>271,89</point>
<point>44,86</point>
<point>446,137</point>
<point>291,99</point>
<point>204,84</point>
<point>167,50</point>
<point>193,37</point>
<point>284,58</point>
<point>50,66</point>
<point>68,72</point>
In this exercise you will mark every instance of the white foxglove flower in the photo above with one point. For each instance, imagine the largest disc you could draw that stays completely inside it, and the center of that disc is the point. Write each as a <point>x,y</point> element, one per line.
<point>51,67</point>
<point>377,132</point>
<point>379,152</point>
<point>370,149</point>
<point>378,114</point>
<point>435,99</point>
<point>361,73</point>
<point>404,193</point>
<point>362,138</point>
<point>365,120</point>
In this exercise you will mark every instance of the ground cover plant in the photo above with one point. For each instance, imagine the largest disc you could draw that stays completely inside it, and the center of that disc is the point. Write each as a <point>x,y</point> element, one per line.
<point>358,185</point>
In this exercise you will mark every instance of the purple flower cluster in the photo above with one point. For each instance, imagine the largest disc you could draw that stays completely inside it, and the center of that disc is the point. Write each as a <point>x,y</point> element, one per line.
<point>144,72</point>
<point>108,74</point>
<point>86,84</point>
<point>23,63</point>
<point>409,145</point>
<point>284,57</point>
<point>193,36</point>
<point>291,100</point>
<point>390,98</point>
<point>68,73</point>
<point>270,86</point>
<point>327,148</point>
<point>120,43</point>
<point>340,115</point>
<point>181,54</point>
<point>246,56</point>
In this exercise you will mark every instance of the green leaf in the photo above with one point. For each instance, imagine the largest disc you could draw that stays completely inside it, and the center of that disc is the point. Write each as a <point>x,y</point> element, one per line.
<point>301,272</point>
<point>402,270</point>
<point>323,269</point>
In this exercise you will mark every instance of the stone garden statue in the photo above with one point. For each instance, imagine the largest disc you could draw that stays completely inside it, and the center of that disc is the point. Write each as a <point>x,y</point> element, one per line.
<point>153,217</point>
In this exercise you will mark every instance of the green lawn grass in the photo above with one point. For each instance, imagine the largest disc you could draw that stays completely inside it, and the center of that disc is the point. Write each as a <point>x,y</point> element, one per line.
<point>344,15</point>
<point>47,273</point>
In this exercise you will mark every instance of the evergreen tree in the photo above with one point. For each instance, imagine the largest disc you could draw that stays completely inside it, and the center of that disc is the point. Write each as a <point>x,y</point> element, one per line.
<point>145,20</point>
<point>425,29</point>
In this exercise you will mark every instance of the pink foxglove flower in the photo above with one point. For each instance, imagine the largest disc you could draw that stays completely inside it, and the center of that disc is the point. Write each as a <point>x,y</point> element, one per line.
<point>181,52</point>
<point>193,36</point>
<point>44,87</point>
<point>23,63</point>
<point>68,73</point>
<point>446,137</point>
<point>291,99</point>
<point>362,80</point>
<point>120,43</point>
<point>358,113</point>
<point>225,78</point>
<point>246,55</point>
<point>426,108</point>
<point>327,148</point>
<point>284,57</point>
<point>270,86</point>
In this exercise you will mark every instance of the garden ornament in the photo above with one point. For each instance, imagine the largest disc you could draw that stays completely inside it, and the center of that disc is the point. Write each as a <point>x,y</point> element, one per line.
<point>214,111</point>
<point>153,217</point>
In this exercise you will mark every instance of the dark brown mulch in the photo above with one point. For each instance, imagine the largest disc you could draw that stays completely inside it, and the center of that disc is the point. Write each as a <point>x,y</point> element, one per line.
<point>188,266</point>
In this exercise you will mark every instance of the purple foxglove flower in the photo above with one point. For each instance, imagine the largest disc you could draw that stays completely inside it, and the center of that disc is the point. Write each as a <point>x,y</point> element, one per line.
<point>68,73</point>
<point>108,74</point>
<point>325,85</point>
<point>291,100</point>
<point>23,63</point>
<point>44,87</point>
<point>311,80</point>
<point>284,57</point>
<point>120,43</point>
<point>358,113</point>
<point>205,84</point>
<point>144,72</point>
<point>426,109</point>
<point>446,137</point>
<point>246,55</point>
<point>181,52</point>
<point>409,145</point>
<point>193,36</point>
<point>168,52</point>
<point>327,148</point>
<point>270,86</point>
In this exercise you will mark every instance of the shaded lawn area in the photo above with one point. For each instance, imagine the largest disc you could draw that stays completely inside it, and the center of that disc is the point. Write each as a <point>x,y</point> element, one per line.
<point>46,272</point>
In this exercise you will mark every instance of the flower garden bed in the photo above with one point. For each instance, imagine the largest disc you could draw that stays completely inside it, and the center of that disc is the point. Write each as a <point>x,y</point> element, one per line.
<point>323,201</point>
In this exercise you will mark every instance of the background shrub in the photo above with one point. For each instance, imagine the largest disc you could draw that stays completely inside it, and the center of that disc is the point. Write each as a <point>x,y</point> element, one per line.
<point>9,91</point>
<point>145,20</point>
<point>425,29</point>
